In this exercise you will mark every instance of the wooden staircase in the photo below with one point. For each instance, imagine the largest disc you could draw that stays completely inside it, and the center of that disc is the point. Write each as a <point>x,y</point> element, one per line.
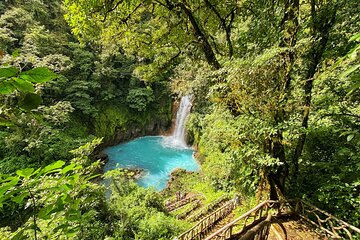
<point>182,202</point>
<point>205,210</point>
<point>201,228</point>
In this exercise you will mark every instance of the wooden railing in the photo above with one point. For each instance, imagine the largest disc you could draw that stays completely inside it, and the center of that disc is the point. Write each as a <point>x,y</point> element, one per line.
<point>196,204</point>
<point>332,226</point>
<point>182,202</point>
<point>207,209</point>
<point>256,222</point>
<point>199,230</point>
<point>246,221</point>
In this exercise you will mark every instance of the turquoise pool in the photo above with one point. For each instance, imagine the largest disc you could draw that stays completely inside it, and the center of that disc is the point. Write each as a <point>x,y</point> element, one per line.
<point>155,156</point>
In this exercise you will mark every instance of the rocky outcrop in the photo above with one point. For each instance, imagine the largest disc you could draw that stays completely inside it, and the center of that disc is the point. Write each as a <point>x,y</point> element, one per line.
<point>154,127</point>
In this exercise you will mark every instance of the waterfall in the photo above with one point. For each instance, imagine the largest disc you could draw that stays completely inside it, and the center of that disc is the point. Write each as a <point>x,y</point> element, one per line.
<point>178,137</point>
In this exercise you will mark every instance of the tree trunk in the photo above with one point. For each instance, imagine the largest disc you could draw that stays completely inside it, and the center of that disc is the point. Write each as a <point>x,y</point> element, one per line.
<point>289,26</point>
<point>226,27</point>
<point>320,32</point>
<point>203,41</point>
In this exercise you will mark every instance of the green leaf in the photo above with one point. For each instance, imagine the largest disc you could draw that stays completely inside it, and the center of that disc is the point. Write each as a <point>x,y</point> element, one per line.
<point>349,71</point>
<point>72,232</point>
<point>20,198</point>
<point>355,37</point>
<point>53,166</point>
<point>38,75</point>
<point>70,167</point>
<point>19,235</point>
<point>8,72</point>
<point>45,213</point>
<point>7,184</point>
<point>350,137</point>
<point>6,87</point>
<point>22,85</point>
<point>60,227</point>
<point>92,177</point>
<point>26,173</point>
<point>30,101</point>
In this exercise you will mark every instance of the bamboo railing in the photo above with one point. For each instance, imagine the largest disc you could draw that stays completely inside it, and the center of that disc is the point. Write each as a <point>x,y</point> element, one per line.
<point>199,230</point>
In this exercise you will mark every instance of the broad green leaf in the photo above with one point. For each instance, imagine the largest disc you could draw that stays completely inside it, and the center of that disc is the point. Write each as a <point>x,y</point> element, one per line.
<point>7,184</point>
<point>8,72</point>
<point>66,198</point>
<point>72,232</point>
<point>30,101</point>
<point>20,198</point>
<point>92,177</point>
<point>62,226</point>
<point>70,167</point>
<point>350,137</point>
<point>38,75</point>
<point>349,71</point>
<point>58,208</point>
<point>22,85</point>
<point>26,173</point>
<point>19,235</point>
<point>355,37</point>
<point>355,86</point>
<point>6,87</point>
<point>53,166</point>
<point>45,213</point>
<point>67,187</point>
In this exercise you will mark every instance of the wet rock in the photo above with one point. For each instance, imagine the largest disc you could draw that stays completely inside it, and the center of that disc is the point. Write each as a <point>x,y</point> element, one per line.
<point>104,158</point>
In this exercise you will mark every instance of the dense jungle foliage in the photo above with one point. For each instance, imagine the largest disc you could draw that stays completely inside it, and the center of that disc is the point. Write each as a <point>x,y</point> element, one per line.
<point>276,113</point>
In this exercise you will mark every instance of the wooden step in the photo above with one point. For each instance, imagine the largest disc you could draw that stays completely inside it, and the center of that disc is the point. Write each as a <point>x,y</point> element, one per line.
<point>178,204</point>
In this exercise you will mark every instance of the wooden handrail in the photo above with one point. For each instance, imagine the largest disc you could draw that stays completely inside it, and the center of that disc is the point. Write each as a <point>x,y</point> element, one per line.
<point>181,202</point>
<point>330,224</point>
<point>210,207</point>
<point>207,221</point>
<point>228,227</point>
<point>336,225</point>
<point>195,205</point>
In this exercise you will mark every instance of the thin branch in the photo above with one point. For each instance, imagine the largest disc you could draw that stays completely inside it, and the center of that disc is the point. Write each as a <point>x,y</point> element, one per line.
<point>226,28</point>
<point>34,209</point>
<point>124,20</point>
<point>111,9</point>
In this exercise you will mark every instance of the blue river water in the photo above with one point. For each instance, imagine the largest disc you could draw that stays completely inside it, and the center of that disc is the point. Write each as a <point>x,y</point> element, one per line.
<point>152,154</point>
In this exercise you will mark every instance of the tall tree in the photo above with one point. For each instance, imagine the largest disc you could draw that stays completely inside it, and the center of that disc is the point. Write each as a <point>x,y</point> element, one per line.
<point>158,30</point>
<point>323,14</point>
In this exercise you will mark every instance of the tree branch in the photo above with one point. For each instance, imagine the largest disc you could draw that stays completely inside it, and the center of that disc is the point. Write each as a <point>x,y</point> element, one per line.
<point>204,43</point>
<point>225,27</point>
<point>111,9</point>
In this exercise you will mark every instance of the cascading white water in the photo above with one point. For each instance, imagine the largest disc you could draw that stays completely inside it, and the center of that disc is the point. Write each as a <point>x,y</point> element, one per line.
<point>181,115</point>
<point>178,138</point>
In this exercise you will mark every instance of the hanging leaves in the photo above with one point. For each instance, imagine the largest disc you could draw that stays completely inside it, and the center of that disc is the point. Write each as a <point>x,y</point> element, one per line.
<point>8,72</point>
<point>38,75</point>
<point>30,101</point>
<point>11,79</point>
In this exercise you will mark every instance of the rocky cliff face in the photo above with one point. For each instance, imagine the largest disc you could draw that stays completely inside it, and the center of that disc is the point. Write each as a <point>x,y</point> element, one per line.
<point>153,127</point>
